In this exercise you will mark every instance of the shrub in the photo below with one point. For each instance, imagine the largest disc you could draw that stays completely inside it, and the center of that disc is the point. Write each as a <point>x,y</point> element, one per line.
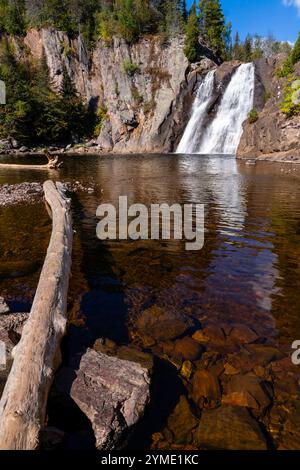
<point>253,116</point>
<point>291,103</point>
<point>101,118</point>
<point>286,70</point>
<point>130,68</point>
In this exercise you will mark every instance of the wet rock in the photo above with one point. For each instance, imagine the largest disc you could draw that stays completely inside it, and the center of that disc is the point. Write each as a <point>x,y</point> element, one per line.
<point>187,370</point>
<point>4,308</point>
<point>229,428</point>
<point>210,334</point>
<point>247,391</point>
<point>230,370</point>
<point>111,392</point>
<point>182,422</point>
<point>157,324</point>
<point>263,354</point>
<point>242,334</point>
<point>188,349</point>
<point>206,389</point>
<point>127,353</point>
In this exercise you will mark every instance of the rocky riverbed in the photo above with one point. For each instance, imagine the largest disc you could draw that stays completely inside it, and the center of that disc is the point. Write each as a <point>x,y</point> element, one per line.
<point>31,193</point>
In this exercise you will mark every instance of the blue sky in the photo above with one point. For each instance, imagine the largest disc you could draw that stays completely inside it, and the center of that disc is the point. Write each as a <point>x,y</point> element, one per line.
<point>280,17</point>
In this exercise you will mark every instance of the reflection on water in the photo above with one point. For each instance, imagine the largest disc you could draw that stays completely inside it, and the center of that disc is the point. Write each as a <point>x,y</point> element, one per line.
<point>247,273</point>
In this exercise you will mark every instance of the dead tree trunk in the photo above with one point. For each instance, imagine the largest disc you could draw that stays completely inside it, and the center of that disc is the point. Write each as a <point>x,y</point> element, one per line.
<point>53,164</point>
<point>37,356</point>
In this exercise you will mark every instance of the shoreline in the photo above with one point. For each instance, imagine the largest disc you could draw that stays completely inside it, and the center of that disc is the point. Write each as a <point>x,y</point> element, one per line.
<point>280,157</point>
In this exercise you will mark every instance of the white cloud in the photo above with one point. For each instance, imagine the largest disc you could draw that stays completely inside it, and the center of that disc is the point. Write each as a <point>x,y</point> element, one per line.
<point>294,3</point>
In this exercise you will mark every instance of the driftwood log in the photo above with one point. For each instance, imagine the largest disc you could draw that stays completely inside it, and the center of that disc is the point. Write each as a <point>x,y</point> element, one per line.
<point>37,356</point>
<point>53,164</point>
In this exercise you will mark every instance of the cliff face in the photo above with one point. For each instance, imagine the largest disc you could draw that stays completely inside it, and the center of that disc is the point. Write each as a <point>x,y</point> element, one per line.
<point>139,102</point>
<point>273,135</point>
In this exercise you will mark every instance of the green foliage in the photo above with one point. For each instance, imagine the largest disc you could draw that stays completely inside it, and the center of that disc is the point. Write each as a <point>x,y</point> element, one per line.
<point>34,114</point>
<point>130,68</point>
<point>287,69</point>
<point>253,116</point>
<point>192,35</point>
<point>291,103</point>
<point>105,26</point>
<point>66,49</point>
<point>12,17</point>
<point>100,119</point>
<point>295,54</point>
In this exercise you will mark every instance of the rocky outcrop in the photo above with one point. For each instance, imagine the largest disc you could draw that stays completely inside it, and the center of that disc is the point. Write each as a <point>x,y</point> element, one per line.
<point>144,89</point>
<point>273,135</point>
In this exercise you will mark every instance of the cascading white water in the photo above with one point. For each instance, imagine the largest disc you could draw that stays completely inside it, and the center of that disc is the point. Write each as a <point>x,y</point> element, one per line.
<point>191,137</point>
<point>223,134</point>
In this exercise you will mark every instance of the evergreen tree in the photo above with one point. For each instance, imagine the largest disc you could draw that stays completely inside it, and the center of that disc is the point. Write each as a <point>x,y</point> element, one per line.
<point>295,55</point>
<point>192,35</point>
<point>174,16</point>
<point>214,31</point>
<point>236,51</point>
<point>247,49</point>
<point>12,17</point>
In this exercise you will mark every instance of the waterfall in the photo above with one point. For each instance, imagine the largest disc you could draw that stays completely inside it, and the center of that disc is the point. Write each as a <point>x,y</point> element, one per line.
<point>223,133</point>
<point>191,137</point>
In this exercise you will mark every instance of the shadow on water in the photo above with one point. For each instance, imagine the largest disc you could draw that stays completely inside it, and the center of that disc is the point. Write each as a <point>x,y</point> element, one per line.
<point>104,312</point>
<point>165,393</point>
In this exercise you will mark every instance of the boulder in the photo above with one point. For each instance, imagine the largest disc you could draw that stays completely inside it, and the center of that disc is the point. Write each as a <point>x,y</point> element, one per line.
<point>111,392</point>
<point>206,389</point>
<point>229,428</point>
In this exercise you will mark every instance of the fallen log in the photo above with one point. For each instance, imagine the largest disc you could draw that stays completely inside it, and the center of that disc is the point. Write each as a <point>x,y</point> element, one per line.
<point>53,164</point>
<point>37,356</point>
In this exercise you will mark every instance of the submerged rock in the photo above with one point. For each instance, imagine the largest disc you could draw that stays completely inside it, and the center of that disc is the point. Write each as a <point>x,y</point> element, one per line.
<point>182,422</point>
<point>247,390</point>
<point>229,428</point>
<point>111,392</point>
<point>158,324</point>
<point>206,389</point>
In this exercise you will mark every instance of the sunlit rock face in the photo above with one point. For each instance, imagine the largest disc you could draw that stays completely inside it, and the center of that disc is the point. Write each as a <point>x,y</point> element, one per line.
<point>273,134</point>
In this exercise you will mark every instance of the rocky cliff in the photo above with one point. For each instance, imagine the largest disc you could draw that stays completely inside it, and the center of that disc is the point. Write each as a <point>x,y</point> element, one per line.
<point>273,135</point>
<point>144,89</point>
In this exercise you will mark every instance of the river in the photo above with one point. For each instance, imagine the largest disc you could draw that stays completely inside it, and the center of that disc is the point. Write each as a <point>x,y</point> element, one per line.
<point>247,273</point>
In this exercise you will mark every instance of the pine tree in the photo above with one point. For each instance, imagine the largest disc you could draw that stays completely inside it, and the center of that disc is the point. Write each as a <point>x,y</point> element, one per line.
<point>247,49</point>
<point>214,31</point>
<point>236,51</point>
<point>192,35</point>
<point>295,55</point>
